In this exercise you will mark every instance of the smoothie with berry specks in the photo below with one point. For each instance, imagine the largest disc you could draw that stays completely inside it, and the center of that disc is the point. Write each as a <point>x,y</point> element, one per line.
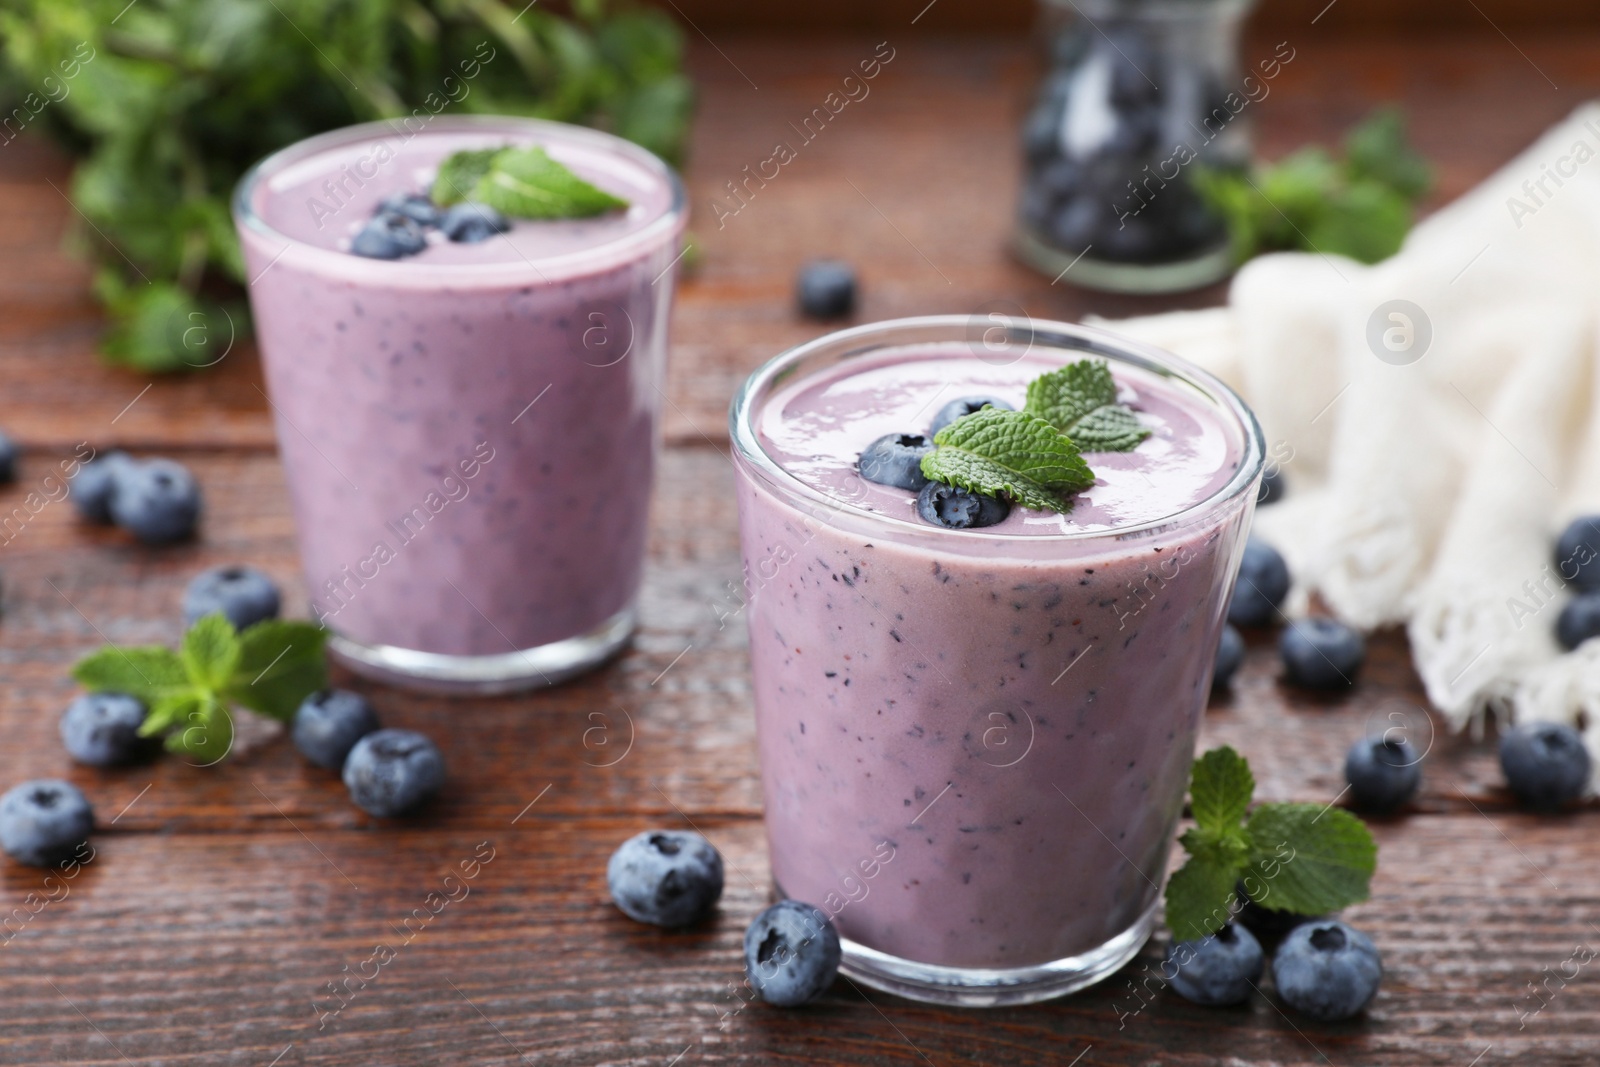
<point>975,742</point>
<point>468,424</point>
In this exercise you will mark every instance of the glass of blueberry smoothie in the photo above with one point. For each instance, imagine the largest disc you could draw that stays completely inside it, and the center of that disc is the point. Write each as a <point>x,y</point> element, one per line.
<point>464,332</point>
<point>986,570</point>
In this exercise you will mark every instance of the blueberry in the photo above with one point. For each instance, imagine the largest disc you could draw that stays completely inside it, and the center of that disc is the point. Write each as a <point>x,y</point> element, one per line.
<point>1579,620</point>
<point>827,289</point>
<point>393,772</point>
<point>1326,970</point>
<point>1321,653</point>
<point>243,594</point>
<point>389,236</point>
<point>965,406</point>
<point>95,483</point>
<point>791,953</point>
<point>328,724</point>
<point>1230,653</point>
<point>666,877</point>
<point>156,500</point>
<point>1269,925</point>
<point>1578,553</point>
<point>414,206</point>
<point>102,729</point>
<point>1383,772</point>
<point>896,459</point>
<point>1218,970</point>
<point>1545,764</point>
<point>8,459</point>
<point>1272,487</point>
<point>1077,224</point>
<point>471,223</point>
<point>958,509</point>
<point>1263,583</point>
<point>44,822</point>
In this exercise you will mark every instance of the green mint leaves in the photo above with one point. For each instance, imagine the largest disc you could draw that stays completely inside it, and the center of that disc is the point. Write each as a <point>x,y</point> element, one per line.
<point>521,182</point>
<point>1302,858</point>
<point>269,668</point>
<point>993,451</point>
<point>1080,400</point>
<point>1033,456</point>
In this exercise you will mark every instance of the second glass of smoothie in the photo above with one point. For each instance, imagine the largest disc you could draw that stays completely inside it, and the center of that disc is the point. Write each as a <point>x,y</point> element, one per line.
<point>469,434</point>
<point>975,743</point>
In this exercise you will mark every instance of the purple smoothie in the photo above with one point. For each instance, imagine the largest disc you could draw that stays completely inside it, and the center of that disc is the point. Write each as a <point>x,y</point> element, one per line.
<point>468,434</point>
<point>1006,714</point>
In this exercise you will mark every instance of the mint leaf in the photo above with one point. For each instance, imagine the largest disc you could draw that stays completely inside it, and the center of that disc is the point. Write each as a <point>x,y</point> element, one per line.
<point>280,664</point>
<point>1200,898</point>
<point>147,672</point>
<point>460,173</point>
<point>1011,452</point>
<point>1080,400</point>
<point>527,183</point>
<point>1309,859</point>
<point>1378,149</point>
<point>172,710</point>
<point>1220,788</point>
<point>205,732</point>
<point>210,651</point>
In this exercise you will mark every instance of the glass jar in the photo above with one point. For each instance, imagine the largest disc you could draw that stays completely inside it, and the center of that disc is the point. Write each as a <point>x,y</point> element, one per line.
<point>975,743</point>
<point>1139,95</point>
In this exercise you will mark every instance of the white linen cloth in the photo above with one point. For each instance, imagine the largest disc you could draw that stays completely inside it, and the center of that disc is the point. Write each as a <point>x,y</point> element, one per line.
<point>1431,493</point>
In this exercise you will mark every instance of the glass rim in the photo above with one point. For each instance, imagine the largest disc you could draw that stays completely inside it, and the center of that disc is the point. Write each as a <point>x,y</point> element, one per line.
<point>621,248</point>
<point>868,337</point>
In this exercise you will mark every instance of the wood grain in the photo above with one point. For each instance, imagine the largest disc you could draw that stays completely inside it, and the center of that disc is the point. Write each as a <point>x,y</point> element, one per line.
<point>222,901</point>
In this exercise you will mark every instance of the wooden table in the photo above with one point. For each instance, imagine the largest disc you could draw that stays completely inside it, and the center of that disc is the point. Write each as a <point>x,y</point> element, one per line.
<point>223,901</point>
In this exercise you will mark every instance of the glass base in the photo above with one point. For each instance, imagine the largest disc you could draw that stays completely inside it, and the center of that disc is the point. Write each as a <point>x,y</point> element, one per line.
<point>976,987</point>
<point>507,672</point>
<point>1091,273</point>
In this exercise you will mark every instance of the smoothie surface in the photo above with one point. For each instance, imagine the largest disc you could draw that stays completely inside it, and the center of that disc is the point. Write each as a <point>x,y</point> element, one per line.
<point>816,428</point>
<point>325,199</point>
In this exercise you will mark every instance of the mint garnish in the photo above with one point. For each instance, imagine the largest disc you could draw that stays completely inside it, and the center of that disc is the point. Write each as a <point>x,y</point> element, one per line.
<point>1033,456</point>
<point>522,182</point>
<point>1080,400</point>
<point>1301,858</point>
<point>269,668</point>
<point>993,451</point>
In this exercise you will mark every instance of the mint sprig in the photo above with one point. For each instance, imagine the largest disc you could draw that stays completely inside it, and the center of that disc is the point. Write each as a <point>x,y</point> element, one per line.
<point>1301,858</point>
<point>1080,400</point>
<point>993,451</point>
<point>1034,456</point>
<point>269,668</point>
<point>521,182</point>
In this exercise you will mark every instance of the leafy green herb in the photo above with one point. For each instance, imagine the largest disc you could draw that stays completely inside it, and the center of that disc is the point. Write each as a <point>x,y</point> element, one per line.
<point>1361,207</point>
<point>522,182</point>
<point>269,668</point>
<point>1011,452</point>
<point>1080,400</point>
<point>165,105</point>
<point>1302,858</point>
<point>1033,456</point>
<point>460,174</point>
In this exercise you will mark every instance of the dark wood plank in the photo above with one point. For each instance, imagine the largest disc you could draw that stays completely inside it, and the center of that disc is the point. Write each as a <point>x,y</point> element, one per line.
<point>210,948</point>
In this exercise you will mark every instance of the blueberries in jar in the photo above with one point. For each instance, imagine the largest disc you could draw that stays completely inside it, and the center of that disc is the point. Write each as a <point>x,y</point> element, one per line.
<point>896,459</point>
<point>390,235</point>
<point>959,509</point>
